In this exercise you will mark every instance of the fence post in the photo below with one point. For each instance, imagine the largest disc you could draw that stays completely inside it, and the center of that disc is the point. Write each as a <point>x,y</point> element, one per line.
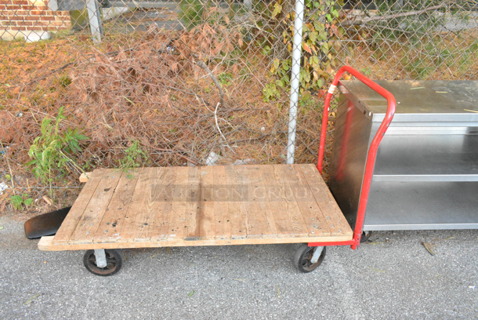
<point>94,17</point>
<point>295,79</point>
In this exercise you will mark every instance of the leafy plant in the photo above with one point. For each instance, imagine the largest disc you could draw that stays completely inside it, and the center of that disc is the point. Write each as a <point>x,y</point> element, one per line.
<point>20,201</point>
<point>271,91</point>
<point>225,78</point>
<point>191,13</point>
<point>53,150</point>
<point>134,156</point>
<point>319,32</point>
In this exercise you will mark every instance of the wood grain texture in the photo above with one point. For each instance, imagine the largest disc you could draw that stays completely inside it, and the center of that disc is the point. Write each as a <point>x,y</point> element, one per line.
<point>201,206</point>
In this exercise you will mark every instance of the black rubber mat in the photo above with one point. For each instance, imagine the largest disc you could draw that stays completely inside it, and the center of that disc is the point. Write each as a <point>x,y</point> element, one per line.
<point>46,224</point>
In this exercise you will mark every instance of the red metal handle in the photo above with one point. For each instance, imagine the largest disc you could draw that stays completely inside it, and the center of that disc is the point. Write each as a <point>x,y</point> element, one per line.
<point>372,151</point>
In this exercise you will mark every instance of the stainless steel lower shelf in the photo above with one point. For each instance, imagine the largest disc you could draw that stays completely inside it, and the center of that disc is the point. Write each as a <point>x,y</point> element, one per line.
<point>422,206</point>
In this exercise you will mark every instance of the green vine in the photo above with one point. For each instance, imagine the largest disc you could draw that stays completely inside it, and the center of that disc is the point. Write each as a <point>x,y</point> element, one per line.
<point>320,32</point>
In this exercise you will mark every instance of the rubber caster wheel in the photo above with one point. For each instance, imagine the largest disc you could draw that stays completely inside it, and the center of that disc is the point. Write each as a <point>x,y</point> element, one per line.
<point>302,258</point>
<point>113,260</point>
<point>365,236</point>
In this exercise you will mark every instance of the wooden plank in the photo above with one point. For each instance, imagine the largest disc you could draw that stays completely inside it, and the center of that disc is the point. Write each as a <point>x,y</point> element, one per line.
<point>318,189</point>
<point>74,215</point>
<point>142,210</point>
<point>50,245</point>
<point>309,209</point>
<point>113,218</point>
<point>257,220</point>
<point>158,184</point>
<point>84,177</point>
<point>161,197</point>
<point>283,203</point>
<point>272,191</point>
<point>205,211</point>
<point>176,218</point>
<point>47,243</point>
<point>331,211</point>
<point>88,224</point>
<point>191,229</point>
<point>275,202</point>
<point>223,193</point>
<point>237,210</point>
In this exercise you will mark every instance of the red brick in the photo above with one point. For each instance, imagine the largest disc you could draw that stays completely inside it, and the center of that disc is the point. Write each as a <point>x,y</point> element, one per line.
<point>37,28</point>
<point>16,18</point>
<point>38,12</point>
<point>49,18</point>
<point>32,18</point>
<point>39,23</point>
<point>24,23</point>
<point>20,16</point>
<point>13,7</point>
<point>18,12</point>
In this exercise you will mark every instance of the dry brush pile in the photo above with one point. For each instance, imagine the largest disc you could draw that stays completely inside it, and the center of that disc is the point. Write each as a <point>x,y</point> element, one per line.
<point>181,96</point>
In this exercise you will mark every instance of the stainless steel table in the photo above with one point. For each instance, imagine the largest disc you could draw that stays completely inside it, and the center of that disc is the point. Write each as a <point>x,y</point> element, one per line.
<point>426,173</point>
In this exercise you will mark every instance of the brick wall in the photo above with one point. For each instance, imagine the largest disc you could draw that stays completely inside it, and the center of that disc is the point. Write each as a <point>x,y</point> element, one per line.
<point>30,19</point>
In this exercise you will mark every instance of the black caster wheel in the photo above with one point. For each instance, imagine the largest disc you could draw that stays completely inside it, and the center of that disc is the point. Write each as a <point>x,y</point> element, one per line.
<point>113,260</point>
<point>365,236</point>
<point>302,258</point>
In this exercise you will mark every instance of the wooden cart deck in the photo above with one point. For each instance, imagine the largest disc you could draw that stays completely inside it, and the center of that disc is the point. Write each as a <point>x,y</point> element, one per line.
<point>198,206</point>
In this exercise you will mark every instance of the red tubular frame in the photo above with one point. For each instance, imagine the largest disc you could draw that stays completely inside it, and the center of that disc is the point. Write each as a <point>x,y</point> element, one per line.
<point>371,154</point>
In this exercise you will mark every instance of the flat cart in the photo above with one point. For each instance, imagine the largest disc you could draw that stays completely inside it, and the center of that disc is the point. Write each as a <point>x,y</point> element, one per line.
<point>213,205</point>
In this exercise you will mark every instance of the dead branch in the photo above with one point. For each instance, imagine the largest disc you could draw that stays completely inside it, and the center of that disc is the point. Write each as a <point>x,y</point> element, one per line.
<point>203,66</point>
<point>178,153</point>
<point>219,128</point>
<point>357,21</point>
<point>63,67</point>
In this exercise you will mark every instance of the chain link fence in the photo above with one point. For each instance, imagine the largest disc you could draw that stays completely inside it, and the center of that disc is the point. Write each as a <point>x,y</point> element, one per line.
<point>192,82</point>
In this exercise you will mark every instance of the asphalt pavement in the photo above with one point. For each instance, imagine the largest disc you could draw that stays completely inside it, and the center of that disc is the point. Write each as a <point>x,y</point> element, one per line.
<point>392,277</point>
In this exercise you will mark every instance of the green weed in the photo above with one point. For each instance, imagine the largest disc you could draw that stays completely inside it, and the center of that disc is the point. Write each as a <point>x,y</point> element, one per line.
<point>191,13</point>
<point>53,150</point>
<point>134,156</point>
<point>225,79</point>
<point>64,81</point>
<point>20,201</point>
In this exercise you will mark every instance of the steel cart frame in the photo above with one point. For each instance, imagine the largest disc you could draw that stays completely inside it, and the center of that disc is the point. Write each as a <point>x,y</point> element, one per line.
<point>217,205</point>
